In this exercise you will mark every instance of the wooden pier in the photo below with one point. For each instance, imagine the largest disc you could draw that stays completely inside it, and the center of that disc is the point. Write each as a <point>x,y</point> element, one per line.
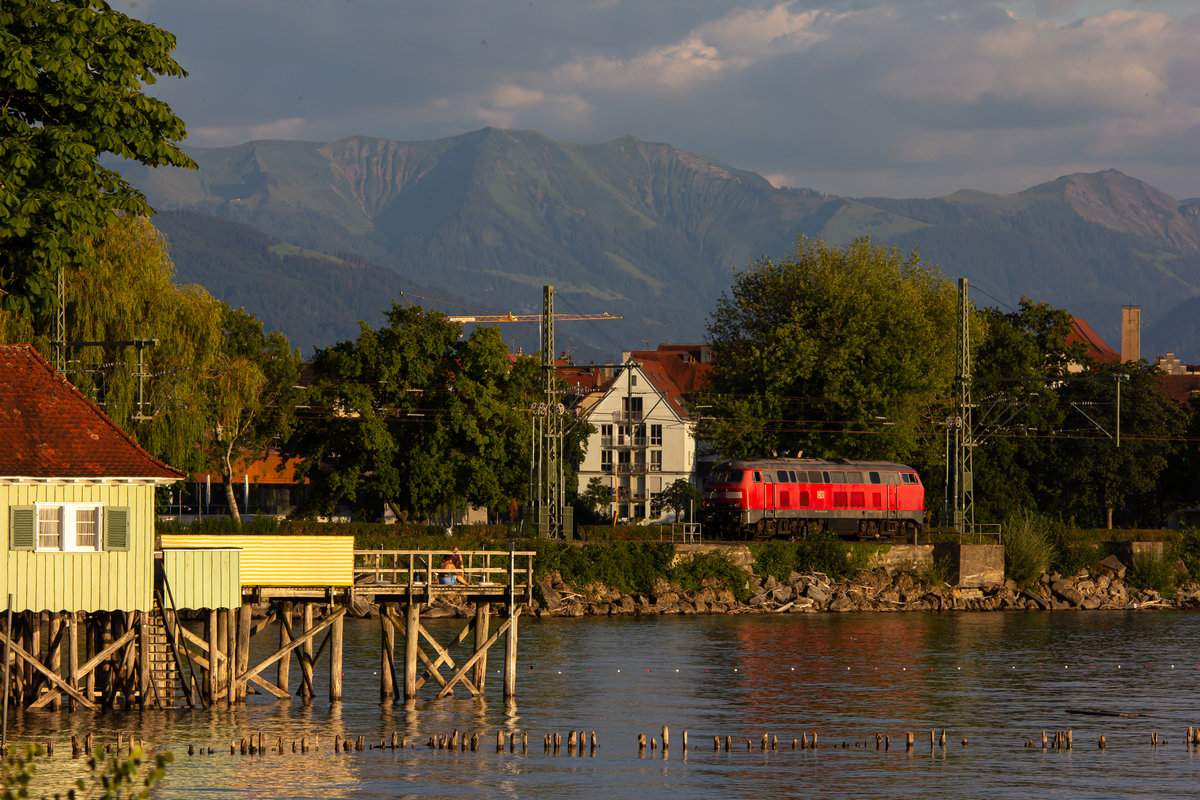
<point>400,582</point>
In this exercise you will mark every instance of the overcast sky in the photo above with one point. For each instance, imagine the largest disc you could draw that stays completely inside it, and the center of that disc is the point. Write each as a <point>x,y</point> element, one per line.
<point>899,98</point>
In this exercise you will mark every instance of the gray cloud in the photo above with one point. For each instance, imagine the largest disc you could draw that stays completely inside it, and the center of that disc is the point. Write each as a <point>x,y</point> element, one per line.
<point>859,97</point>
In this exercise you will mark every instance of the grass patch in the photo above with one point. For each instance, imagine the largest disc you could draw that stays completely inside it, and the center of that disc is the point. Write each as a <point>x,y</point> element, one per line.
<point>1027,547</point>
<point>1153,573</point>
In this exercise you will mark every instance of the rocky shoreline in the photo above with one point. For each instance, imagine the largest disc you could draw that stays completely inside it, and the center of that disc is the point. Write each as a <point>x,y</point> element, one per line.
<point>880,589</point>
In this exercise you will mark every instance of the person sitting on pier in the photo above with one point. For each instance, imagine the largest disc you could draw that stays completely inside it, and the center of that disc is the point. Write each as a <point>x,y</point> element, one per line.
<point>452,570</point>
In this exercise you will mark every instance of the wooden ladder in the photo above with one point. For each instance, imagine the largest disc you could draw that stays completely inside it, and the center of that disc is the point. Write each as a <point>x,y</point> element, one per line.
<point>166,690</point>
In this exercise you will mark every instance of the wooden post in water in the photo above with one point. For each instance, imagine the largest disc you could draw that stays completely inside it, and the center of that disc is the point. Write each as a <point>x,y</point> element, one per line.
<point>483,615</point>
<point>145,697</point>
<point>412,626</point>
<point>306,652</point>
<point>510,651</point>
<point>243,647</point>
<point>213,651</point>
<point>73,657</point>
<point>54,657</point>
<point>335,659</point>
<point>231,632</point>
<point>387,665</point>
<point>282,669</point>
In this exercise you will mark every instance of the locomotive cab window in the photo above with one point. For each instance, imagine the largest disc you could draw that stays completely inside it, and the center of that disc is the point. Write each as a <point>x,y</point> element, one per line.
<point>837,477</point>
<point>782,477</point>
<point>891,478</point>
<point>757,476</point>
<point>733,476</point>
<point>874,477</point>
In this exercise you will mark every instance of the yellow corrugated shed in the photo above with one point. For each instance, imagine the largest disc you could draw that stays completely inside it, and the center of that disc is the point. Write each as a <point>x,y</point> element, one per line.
<point>204,578</point>
<point>282,560</point>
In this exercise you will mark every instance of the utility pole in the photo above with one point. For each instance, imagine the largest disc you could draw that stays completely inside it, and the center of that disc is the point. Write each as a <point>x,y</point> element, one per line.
<point>548,493</point>
<point>964,435</point>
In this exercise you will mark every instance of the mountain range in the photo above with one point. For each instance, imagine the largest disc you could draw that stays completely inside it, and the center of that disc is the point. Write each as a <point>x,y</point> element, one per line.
<point>316,236</point>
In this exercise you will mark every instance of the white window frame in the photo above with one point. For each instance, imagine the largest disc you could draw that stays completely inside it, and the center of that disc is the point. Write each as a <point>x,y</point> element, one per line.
<point>68,541</point>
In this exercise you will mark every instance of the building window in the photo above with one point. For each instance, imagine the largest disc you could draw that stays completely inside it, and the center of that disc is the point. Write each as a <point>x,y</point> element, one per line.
<point>632,406</point>
<point>71,527</point>
<point>87,528</point>
<point>623,461</point>
<point>606,435</point>
<point>656,435</point>
<point>656,460</point>
<point>49,527</point>
<point>606,462</point>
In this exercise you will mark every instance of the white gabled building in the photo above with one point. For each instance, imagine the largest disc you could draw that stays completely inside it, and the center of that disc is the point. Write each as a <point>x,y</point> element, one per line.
<point>644,439</point>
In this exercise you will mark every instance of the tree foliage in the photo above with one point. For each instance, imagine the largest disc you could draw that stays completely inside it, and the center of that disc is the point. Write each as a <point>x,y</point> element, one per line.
<point>414,416</point>
<point>1046,422</point>
<point>71,81</point>
<point>252,395</point>
<point>836,352</point>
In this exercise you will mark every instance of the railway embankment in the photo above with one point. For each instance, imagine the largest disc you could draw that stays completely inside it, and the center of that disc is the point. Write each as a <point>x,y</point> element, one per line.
<point>885,589</point>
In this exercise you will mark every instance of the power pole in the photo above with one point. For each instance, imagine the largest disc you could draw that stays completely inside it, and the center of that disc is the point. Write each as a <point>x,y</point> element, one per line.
<point>964,435</point>
<point>547,476</point>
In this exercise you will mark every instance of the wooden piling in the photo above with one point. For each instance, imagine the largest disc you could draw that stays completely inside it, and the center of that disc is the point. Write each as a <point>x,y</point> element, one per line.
<point>666,737</point>
<point>245,623</point>
<point>412,623</point>
<point>283,667</point>
<point>306,652</point>
<point>336,637</point>
<point>482,619</point>
<point>387,665</point>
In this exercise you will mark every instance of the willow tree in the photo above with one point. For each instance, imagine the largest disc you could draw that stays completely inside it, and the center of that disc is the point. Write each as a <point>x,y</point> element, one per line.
<point>72,76</point>
<point>833,352</point>
<point>251,396</point>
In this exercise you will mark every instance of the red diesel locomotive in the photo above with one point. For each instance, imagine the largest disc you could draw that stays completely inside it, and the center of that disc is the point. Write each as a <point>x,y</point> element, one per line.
<point>793,497</point>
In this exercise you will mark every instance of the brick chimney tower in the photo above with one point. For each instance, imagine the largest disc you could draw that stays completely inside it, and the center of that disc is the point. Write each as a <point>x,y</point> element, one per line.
<point>1131,333</point>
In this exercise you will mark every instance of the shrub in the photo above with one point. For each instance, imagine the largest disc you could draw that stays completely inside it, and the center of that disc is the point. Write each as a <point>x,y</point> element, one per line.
<point>691,574</point>
<point>825,553</point>
<point>1074,550</point>
<point>1027,548</point>
<point>1149,572</point>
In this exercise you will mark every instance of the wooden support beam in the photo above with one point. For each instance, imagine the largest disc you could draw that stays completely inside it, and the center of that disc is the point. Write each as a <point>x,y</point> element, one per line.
<point>510,655</point>
<point>72,656</point>
<point>307,636</point>
<point>285,638</point>
<point>257,680</point>
<point>103,655</point>
<point>243,645</point>
<point>306,653</point>
<point>411,633</point>
<point>387,666</point>
<point>230,672</point>
<point>335,659</point>
<point>480,651</point>
<point>214,650</point>
<point>306,687</point>
<point>482,617</point>
<point>143,629</point>
<point>23,655</point>
<point>54,654</point>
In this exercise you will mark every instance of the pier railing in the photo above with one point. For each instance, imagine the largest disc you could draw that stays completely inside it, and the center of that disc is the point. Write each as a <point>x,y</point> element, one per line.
<point>489,572</point>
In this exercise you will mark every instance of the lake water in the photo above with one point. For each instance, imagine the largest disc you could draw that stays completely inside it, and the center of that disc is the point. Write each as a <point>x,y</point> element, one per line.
<point>995,679</point>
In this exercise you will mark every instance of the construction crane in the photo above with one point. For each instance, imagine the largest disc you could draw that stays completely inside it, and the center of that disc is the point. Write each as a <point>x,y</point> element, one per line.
<point>495,318</point>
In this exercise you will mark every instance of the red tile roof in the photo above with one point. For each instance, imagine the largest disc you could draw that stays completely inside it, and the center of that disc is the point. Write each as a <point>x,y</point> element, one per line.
<point>48,429</point>
<point>1097,349</point>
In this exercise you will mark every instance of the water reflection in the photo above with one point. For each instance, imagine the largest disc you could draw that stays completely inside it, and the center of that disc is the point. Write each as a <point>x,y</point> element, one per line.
<point>995,679</point>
